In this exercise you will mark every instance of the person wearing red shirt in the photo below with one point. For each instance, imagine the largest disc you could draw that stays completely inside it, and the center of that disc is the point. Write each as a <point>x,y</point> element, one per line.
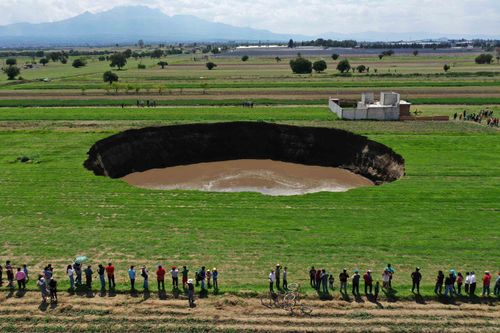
<point>486,283</point>
<point>160,276</point>
<point>368,281</point>
<point>110,270</point>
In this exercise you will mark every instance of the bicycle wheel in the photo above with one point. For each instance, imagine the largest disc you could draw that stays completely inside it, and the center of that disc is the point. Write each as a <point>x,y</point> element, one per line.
<point>266,300</point>
<point>293,287</point>
<point>306,310</point>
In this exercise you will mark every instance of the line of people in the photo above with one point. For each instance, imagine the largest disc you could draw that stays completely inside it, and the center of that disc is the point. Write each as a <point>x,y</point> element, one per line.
<point>469,283</point>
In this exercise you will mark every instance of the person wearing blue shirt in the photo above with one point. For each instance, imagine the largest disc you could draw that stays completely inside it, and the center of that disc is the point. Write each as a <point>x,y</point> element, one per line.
<point>131,275</point>
<point>215,278</point>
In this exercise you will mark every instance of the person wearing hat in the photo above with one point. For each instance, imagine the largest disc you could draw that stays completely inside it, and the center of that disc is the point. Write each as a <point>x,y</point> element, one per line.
<point>215,278</point>
<point>368,281</point>
<point>277,276</point>
<point>190,292</point>
<point>343,280</point>
<point>175,277</point>
<point>486,283</point>
<point>355,283</point>
<point>416,277</point>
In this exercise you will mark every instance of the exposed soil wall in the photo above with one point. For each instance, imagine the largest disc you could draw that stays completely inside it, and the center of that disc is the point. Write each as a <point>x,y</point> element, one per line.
<point>160,147</point>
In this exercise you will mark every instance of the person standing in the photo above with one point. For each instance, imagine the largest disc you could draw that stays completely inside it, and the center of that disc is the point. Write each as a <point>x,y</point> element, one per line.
<point>331,280</point>
<point>367,277</point>
<point>43,287</point>
<point>448,285</point>
<point>131,276</point>
<point>377,290</point>
<point>26,272</point>
<point>318,279</point>
<point>391,271</point>
<point>215,278</point>
<point>203,276</point>
<point>209,278</point>
<point>312,277</point>
<point>70,272</point>
<point>145,276</point>
<point>496,290</point>
<point>100,271</point>
<point>438,289</point>
<point>160,277</point>
<point>486,283</point>
<point>53,290</point>
<point>460,281</point>
<point>10,274</point>
<point>416,277</point>
<point>190,292</point>
<point>271,281</point>
<point>343,280</point>
<point>21,279</point>
<point>77,267</point>
<point>110,271</point>
<point>324,281</point>
<point>473,283</point>
<point>285,278</point>
<point>185,273</point>
<point>467,283</point>
<point>277,274</point>
<point>1,275</point>
<point>88,277</point>
<point>355,283</point>
<point>175,277</point>
<point>386,280</point>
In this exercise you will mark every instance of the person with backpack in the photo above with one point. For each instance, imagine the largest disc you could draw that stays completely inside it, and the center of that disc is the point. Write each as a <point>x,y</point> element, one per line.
<point>70,272</point>
<point>367,277</point>
<point>312,277</point>
<point>53,290</point>
<point>343,280</point>
<point>100,271</point>
<point>185,273</point>
<point>88,277</point>
<point>215,278</point>
<point>110,271</point>
<point>190,287</point>
<point>145,276</point>
<point>416,277</point>
<point>21,279</point>
<point>438,289</point>
<point>131,276</point>
<point>160,277</point>
<point>175,277</point>
<point>355,283</point>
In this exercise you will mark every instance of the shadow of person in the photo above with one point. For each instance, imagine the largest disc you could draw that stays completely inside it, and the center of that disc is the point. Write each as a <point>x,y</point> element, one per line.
<point>134,293</point>
<point>20,293</point>
<point>89,294</point>
<point>359,299</point>
<point>216,291</point>
<point>345,296</point>
<point>112,293</point>
<point>43,306</point>
<point>11,293</point>
<point>53,305</point>
<point>203,293</point>
<point>419,299</point>
<point>390,294</point>
<point>175,292</point>
<point>146,294</point>
<point>162,294</point>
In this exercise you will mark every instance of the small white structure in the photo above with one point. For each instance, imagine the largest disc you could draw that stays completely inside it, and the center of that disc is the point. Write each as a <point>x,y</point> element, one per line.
<point>390,107</point>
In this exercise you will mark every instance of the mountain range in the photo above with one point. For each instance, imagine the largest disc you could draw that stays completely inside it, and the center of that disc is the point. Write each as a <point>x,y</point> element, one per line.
<point>130,23</point>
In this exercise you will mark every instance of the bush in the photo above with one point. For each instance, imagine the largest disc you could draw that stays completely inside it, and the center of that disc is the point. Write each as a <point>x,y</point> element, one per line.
<point>301,66</point>
<point>12,72</point>
<point>484,58</point>
<point>446,67</point>
<point>344,66</point>
<point>361,68</point>
<point>141,66</point>
<point>210,65</point>
<point>109,77</point>
<point>320,66</point>
<point>244,58</point>
<point>335,56</point>
<point>11,61</point>
<point>77,63</point>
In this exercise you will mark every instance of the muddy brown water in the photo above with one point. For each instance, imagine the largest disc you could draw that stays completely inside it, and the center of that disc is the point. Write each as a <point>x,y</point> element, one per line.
<point>264,176</point>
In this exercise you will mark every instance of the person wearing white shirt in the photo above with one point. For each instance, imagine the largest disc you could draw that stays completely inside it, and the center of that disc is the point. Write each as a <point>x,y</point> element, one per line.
<point>472,288</point>
<point>71,275</point>
<point>467,283</point>
<point>272,277</point>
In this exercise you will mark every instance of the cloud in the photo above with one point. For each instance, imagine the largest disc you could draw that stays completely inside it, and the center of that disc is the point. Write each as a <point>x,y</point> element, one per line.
<point>310,17</point>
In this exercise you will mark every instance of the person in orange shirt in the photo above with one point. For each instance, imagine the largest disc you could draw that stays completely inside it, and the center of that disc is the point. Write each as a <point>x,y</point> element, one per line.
<point>110,271</point>
<point>160,276</point>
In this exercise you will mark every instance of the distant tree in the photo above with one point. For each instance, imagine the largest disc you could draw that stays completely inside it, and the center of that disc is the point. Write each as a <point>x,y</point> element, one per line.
<point>44,61</point>
<point>109,77</point>
<point>278,59</point>
<point>484,58</point>
<point>157,53</point>
<point>415,53</point>
<point>141,66</point>
<point>118,60</point>
<point>291,44</point>
<point>39,54</point>
<point>388,53</point>
<point>319,66</point>
<point>77,63</point>
<point>11,61</point>
<point>301,66</point>
<point>498,54</point>
<point>162,64</point>
<point>64,60</point>
<point>11,72</point>
<point>380,56</point>
<point>102,58</point>
<point>446,67</point>
<point>361,68</point>
<point>210,65</point>
<point>244,58</point>
<point>343,66</point>
<point>335,56</point>
<point>140,43</point>
<point>127,53</point>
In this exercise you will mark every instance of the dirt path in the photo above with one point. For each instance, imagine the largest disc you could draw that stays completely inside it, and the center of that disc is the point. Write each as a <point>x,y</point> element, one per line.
<point>124,313</point>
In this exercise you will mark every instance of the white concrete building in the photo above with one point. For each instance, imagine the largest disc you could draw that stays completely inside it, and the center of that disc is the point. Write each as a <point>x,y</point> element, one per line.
<point>389,107</point>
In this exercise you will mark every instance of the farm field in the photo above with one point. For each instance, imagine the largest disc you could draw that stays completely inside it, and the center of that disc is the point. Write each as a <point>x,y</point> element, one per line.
<point>443,214</point>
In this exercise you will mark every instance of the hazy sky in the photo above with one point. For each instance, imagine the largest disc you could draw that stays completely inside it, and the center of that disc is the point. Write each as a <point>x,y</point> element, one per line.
<point>293,16</point>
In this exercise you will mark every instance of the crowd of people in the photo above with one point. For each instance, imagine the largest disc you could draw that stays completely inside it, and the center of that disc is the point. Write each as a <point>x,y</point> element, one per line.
<point>82,278</point>
<point>478,117</point>
<point>323,281</point>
